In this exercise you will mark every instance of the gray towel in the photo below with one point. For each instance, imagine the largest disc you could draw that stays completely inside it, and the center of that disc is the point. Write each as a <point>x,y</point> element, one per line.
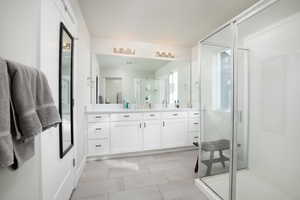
<point>6,145</point>
<point>45,107</point>
<point>33,104</point>
<point>32,109</point>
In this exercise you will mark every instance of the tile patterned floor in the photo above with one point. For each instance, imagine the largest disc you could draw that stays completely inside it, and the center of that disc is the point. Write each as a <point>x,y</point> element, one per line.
<point>166,176</point>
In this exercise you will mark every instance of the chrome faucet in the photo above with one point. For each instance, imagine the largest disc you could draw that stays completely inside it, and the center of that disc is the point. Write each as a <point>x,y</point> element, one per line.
<point>164,103</point>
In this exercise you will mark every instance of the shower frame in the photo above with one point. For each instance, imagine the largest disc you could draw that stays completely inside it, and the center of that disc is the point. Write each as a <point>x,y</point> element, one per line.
<point>233,24</point>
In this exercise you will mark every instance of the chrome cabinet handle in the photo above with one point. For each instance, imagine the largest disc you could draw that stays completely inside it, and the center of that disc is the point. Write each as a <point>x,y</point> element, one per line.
<point>175,114</point>
<point>126,115</point>
<point>196,123</point>
<point>98,145</point>
<point>144,124</point>
<point>164,123</point>
<point>152,115</point>
<point>98,117</point>
<point>98,129</point>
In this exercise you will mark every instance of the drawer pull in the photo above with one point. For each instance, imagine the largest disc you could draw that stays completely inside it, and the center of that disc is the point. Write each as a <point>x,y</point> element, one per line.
<point>196,123</point>
<point>98,117</point>
<point>176,114</point>
<point>152,115</point>
<point>196,113</point>
<point>98,129</point>
<point>98,145</point>
<point>126,116</point>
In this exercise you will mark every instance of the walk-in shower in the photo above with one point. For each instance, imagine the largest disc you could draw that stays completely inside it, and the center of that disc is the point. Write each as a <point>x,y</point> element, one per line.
<point>250,105</point>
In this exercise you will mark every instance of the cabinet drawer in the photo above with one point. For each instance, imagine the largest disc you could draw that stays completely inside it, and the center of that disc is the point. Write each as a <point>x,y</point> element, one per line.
<point>98,118</point>
<point>149,116</point>
<point>194,125</point>
<point>126,116</point>
<point>98,130</point>
<point>98,146</point>
<point>174,115</point>
<point>194,114</point>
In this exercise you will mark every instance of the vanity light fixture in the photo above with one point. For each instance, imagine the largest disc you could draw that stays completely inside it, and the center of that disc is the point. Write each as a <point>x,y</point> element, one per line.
<point>165,54</point>
<point>66,46</point>
<point>126,51</point>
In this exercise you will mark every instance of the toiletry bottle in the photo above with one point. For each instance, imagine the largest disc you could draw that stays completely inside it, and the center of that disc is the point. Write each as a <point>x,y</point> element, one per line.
<point>177,104</point>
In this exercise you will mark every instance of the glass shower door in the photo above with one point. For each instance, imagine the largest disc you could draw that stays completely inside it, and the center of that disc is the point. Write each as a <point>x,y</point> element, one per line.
<point>217,111</point>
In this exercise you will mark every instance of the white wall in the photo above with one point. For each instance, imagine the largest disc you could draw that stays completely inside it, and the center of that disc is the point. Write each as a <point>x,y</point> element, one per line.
<point>275,104</point>
<point>19,39</point>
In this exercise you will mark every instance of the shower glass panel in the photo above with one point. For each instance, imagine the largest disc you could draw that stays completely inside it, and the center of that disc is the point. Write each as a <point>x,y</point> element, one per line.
<point>272,40</point>
<point>217,111</point>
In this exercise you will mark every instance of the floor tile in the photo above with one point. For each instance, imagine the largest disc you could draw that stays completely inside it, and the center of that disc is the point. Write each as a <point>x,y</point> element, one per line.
<point>180,190</point>
<point>168,176</point>
<point>94,175</point>
<point>163,165</point>
<point>126,171</point>
<point>147,193</point>
<point>180,173</point>
<point>138,181</point>
<point>94,188</point>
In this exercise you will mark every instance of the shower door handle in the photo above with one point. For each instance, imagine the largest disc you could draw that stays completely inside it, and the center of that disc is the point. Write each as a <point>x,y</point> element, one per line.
<point>240,116</point>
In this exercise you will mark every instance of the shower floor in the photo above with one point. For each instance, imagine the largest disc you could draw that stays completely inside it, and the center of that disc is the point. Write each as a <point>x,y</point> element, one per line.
<point>249,187</point>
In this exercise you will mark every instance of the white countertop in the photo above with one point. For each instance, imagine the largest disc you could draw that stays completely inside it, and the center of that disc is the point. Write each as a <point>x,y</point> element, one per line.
<point>95,110</point>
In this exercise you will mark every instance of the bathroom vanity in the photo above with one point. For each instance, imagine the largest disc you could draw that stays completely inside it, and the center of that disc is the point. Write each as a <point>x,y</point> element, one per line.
<point>120,131</point>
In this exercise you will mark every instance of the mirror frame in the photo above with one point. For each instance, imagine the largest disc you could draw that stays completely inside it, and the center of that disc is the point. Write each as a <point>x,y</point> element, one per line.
<point>63,30</point>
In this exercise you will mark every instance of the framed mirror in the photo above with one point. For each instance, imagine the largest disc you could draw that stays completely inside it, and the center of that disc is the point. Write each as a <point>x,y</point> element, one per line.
<point>66,45</point>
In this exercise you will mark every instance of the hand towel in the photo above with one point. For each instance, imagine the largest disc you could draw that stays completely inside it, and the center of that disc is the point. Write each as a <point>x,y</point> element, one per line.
<point>45,107</point>
<point>32,109</point>
<point>23,93</point>
<point>6,145</point>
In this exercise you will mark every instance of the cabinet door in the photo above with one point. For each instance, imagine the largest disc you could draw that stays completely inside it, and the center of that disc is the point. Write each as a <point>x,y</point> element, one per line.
<point>126,137</point>
<point>152,134</point>
<point>174,133</point>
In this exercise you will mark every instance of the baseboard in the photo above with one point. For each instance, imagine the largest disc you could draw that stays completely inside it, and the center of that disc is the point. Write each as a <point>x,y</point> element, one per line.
<point>79,171</point>
<point>141,153</point>
<point>211,195</point>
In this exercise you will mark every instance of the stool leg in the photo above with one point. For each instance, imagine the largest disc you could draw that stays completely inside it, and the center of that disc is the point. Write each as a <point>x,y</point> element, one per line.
<point>210,163</point>
<point>197,165</point>
<point>222,158</point>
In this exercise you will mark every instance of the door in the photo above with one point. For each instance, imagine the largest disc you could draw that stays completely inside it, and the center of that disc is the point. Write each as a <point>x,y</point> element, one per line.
<point>57,174</point>
<point>174,133</point>
<point>152,134</point>
<point>217,91</point>
<point>126,136</point>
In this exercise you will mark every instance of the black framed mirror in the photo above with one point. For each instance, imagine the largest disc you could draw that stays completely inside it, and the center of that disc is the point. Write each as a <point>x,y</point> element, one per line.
<point>66,51</point>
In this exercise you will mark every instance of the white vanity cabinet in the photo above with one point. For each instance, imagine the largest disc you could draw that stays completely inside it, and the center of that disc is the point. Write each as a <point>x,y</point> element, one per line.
<point>126,132</point>
<point>152,134</point>
<point>98,134</point>
<point>174,129</point>
<point>126,136</point>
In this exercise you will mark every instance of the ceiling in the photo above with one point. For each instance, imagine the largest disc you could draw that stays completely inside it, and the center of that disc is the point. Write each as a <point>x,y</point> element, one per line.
<point>130,63</point>
<point>164,22</point>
